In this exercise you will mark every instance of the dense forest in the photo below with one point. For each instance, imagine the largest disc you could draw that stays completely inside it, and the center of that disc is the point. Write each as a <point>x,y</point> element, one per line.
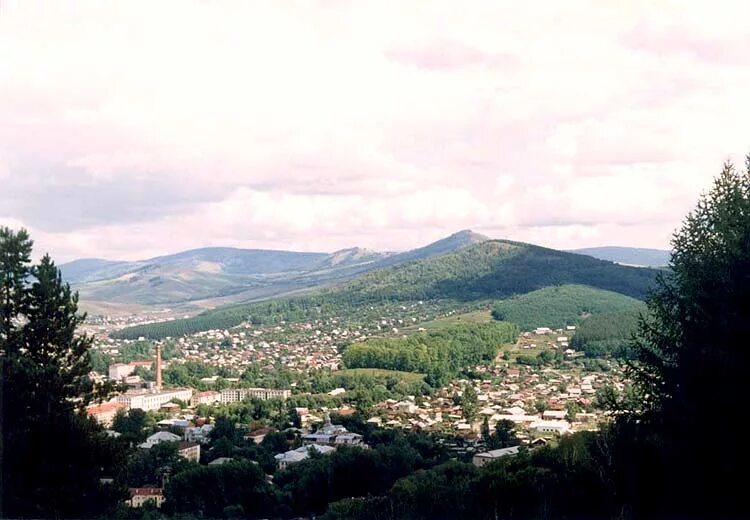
<point>558,306</point>
<point>441,354</point>
<point>607,334</point>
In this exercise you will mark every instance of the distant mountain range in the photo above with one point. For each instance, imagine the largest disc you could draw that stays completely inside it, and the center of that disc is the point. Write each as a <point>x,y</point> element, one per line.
<point>232,274</point>
<point>463,265</point>
<point>628,255</point>
<point>458,271</point>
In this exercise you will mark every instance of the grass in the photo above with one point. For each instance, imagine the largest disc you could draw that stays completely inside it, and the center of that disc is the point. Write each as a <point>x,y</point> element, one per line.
<point>480,316</point>
<point>409,377</point>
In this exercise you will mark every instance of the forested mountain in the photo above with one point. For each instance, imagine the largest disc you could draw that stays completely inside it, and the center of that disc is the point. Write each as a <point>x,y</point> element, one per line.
<point>628,255</point>
<point>237,274</point>
<point>493,269</point>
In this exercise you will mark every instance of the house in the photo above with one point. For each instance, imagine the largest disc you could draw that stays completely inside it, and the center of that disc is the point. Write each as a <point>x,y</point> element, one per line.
<point>337,391</point>
<point>482,459</point>
<point>300,454</point>
<point>198,433</point>
<point>157,438</point>
<point>332,435</point>
<point>104,413</point>
<point>556,427</point>
<point>120,370</point>
<point>258,435</point>
<point>140,496</point>
<point>189,451</point>
<point>554,415</point>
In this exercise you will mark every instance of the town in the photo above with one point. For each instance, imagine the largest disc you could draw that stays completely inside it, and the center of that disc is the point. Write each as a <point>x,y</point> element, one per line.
<point>536,403</point>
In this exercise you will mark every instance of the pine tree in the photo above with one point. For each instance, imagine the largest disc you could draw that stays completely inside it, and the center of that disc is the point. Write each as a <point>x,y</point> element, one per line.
<point>693,360</point>
<point>53,453</point>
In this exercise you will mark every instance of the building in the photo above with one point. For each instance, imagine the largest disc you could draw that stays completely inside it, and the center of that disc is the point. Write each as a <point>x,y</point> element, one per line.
<point>210,397</point>
<point>300,454</point>
<point>555,427</point>
<point>332,435</point>
<point>198,433</point>
<point>235,395</point>
<point>189,451</point>
<point>482,459</point>
<point>140,496</point>
<point>120,370</point>
<point>157,438</point>
<point>104,413</point>
<point>153,400</point>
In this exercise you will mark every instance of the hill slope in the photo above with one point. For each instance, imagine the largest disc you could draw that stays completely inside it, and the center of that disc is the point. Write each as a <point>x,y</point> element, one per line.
<point>558,306</point>
<point>493,269</point>
<point>628,255</point>
<point>234,274</point>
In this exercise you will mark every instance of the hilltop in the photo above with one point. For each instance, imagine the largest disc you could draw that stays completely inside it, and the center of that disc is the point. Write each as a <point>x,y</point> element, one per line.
<point>488,270</point>
<point>227,275</point>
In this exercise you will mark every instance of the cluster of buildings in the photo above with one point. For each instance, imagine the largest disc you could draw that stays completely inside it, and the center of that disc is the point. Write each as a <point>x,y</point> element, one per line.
<point>325,440</point>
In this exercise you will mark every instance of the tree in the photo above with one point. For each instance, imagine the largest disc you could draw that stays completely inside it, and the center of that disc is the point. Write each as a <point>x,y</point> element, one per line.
<point>53,453</point>
<point>692,357</point>
<point>469,402</point>
<point>505,436</point>
<point>486,433</point>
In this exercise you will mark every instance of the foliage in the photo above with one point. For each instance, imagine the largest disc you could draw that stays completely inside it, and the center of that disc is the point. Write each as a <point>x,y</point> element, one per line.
<point>692,357</point>
<point>607,334</point>
<point>441,353</point>
<point>491,269</point>
<point>53,453</point>
<point>558,306</point>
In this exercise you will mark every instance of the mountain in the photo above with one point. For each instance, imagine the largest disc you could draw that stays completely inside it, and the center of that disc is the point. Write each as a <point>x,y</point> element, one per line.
<point>628,255</point>
<point>488,270</point>
<point>448,244</point>
<point>230,274</point>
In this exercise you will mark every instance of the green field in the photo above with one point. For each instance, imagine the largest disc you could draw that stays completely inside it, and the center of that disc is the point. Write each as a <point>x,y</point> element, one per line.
<point>480,316</point>
<point>408,377</point>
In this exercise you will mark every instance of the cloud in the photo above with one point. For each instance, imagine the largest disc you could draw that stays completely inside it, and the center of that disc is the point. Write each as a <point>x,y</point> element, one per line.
<point>328,125</point>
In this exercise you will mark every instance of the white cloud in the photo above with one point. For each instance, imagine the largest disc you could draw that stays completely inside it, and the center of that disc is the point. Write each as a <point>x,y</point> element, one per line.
<point>326,125</point>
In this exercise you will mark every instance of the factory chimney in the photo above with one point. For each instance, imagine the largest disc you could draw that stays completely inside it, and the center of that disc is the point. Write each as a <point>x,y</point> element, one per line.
<point>158,367</point>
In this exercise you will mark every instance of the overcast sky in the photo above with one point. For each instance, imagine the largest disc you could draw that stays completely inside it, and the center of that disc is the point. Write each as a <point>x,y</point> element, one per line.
<point>130,129</point>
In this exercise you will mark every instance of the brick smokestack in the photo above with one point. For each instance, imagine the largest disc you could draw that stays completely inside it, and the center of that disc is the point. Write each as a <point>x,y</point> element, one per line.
<point>158,367</point>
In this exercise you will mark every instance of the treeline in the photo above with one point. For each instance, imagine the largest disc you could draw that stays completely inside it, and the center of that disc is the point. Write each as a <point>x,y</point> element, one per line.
<point>567,481</point>
<point>607,334</point>
<point>440,354</point>
<point>562,305</point>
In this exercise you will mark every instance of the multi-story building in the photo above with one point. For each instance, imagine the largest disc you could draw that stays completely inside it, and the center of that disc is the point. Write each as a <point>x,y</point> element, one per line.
<point>209,397</point>
<point>153,400</point>
<point>189,451</point>
<point>235,395</point>
<point>104,413</point>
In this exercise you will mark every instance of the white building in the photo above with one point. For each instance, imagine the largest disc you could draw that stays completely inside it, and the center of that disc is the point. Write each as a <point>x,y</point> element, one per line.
<point>153,400</point>
<point>235,395</point>
<point>157,438</point>
<point>481,459</point>
<point>557,427</point>
<point>300,454</point>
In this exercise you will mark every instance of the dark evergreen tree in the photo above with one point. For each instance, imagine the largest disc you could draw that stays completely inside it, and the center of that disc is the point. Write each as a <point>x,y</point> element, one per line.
<point>53,454</point>
<point>692,363</point>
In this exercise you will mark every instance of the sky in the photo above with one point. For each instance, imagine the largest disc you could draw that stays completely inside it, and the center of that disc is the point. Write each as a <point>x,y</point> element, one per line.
<point>137,128</point>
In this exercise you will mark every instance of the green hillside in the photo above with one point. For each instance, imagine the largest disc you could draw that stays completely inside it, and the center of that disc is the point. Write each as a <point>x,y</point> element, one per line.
<point>563,305</point>
<point>493,269</point>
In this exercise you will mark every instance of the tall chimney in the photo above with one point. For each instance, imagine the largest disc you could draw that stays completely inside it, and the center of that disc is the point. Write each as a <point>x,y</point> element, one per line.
<point>158,367</point>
